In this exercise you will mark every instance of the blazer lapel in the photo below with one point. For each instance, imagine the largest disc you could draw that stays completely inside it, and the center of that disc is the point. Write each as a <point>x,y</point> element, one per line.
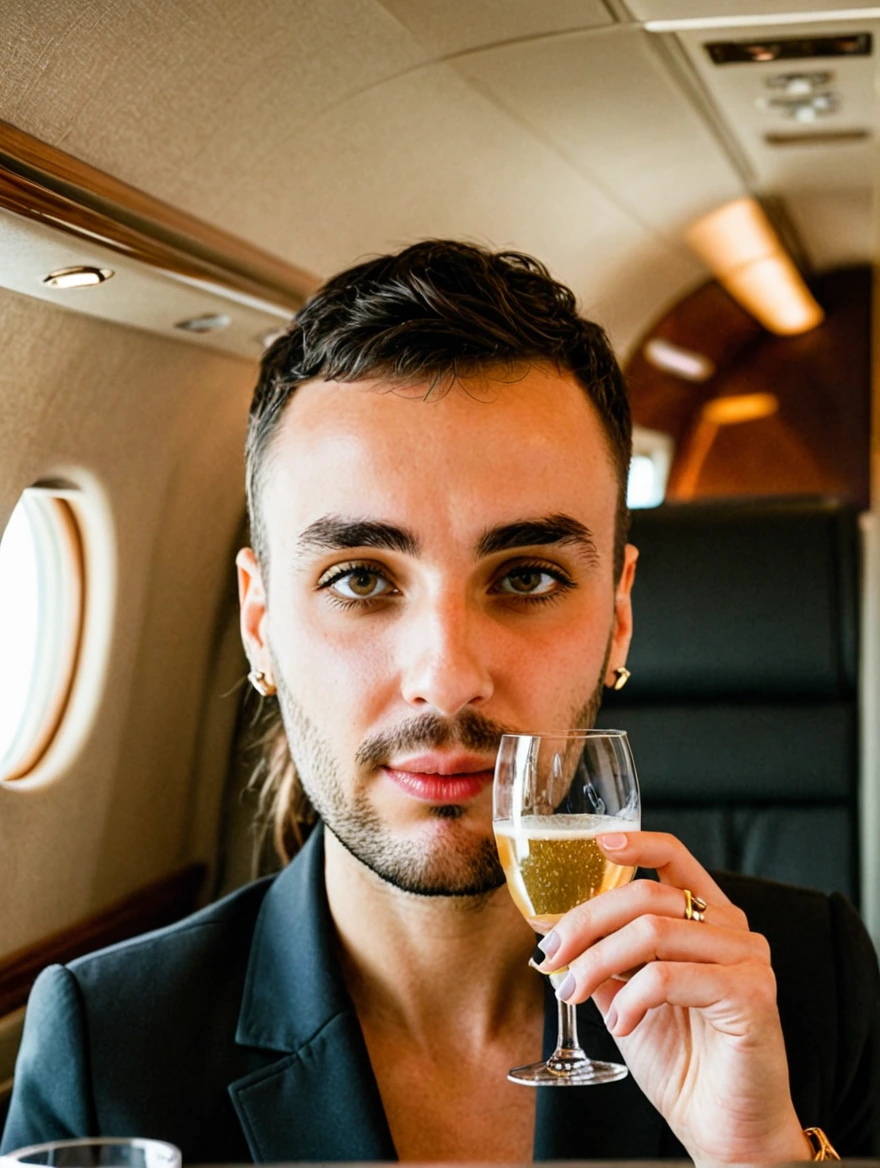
<point>320,1103</point>
<point>319,1099</point>
<point>611,1121</point>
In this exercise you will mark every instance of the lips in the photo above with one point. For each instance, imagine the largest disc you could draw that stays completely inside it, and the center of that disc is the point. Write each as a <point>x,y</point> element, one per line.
<point>440,778</point>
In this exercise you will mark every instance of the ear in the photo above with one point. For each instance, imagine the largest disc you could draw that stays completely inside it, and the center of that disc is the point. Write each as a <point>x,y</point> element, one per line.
<point>621,632</point>
<point>253,615</point>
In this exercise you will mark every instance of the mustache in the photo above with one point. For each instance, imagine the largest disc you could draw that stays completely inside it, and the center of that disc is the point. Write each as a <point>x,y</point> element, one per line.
<point>471,730</point>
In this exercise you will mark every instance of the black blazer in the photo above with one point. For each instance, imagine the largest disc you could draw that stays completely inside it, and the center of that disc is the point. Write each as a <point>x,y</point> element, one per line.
<point>231,1034</point>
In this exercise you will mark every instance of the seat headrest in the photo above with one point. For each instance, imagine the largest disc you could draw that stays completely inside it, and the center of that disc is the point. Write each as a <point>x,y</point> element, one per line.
<point>744,600</point>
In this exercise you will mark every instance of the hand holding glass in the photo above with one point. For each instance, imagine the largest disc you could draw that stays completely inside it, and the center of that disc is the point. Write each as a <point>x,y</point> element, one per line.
<point>553,794</point>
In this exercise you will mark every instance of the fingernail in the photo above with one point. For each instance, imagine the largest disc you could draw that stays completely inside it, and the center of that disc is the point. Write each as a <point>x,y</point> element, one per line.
<point>614,842</point>
<point>567,987</point>
<point>611,1019</point>
<point>549,944</point>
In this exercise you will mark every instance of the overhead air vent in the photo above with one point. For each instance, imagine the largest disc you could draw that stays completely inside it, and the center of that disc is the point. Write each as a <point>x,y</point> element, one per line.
<point>799,109</point>
<point>851,44</point>
<point>822,138</point>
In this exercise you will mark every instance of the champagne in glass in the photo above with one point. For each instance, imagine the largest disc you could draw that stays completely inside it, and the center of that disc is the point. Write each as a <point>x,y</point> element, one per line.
<point>554,862</point>
<point>553,795</point>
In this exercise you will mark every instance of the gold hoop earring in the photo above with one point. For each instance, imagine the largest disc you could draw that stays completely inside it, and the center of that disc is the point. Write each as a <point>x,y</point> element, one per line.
<point>623,675</point>
<point>261,683</point>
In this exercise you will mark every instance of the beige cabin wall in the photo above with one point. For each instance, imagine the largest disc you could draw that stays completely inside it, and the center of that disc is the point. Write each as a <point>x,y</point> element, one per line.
<point>875,377</point>
<point>160,426</point>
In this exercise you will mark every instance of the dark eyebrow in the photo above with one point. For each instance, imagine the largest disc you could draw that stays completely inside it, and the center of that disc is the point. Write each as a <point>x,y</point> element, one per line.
<point>553,529</point>
<point>335,532</point>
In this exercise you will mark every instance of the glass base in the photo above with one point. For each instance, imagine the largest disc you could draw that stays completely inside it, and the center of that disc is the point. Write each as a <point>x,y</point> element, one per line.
<point>568,1070</point>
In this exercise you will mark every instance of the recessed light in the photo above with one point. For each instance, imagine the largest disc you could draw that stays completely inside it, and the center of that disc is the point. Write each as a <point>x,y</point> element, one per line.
<point>209,323</point>
<point>802,109</point>
<point>685,363</point>
<point>739,407</point>
<point>77,277</point>
<point>800,84</point>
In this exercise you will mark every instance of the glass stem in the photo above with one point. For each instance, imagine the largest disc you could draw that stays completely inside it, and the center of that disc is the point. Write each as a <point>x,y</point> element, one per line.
<point>568,1053</point>
<point>568,1028</point>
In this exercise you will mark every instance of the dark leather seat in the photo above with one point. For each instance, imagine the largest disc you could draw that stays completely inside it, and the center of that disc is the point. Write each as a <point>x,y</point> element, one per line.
<point>742,708</point>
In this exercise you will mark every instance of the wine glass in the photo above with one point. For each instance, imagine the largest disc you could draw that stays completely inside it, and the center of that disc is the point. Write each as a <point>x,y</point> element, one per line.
<point>99,1152</point>
<point>553,794</point>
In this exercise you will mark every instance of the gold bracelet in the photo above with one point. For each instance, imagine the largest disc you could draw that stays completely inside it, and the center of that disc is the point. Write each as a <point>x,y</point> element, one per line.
<point>821,1145</point>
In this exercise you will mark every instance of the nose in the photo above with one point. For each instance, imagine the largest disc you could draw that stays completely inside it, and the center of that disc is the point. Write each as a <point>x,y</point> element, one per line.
<point>445,659</point>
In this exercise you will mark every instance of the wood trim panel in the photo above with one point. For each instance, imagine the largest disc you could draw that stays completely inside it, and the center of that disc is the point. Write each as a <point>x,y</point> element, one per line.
<point>43,183</point>
<point>818,440</point>
<point>159,904</point>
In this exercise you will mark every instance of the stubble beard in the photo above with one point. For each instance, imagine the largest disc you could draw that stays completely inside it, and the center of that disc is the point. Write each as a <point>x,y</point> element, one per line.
<point>462,865</point>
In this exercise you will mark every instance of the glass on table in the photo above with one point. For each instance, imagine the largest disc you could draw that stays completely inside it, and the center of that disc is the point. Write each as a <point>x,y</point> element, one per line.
<point>553,795</point>
<point>104,1152</point>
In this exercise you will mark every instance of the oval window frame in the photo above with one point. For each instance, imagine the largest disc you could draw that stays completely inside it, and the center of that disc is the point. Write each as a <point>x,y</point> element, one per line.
<point>57,531</point>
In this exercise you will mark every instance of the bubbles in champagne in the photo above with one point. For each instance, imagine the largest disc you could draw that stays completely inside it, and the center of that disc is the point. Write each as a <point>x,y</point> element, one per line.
<point>552,862</point>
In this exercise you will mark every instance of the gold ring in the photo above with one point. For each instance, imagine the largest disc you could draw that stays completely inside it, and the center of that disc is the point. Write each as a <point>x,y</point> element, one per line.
<point>694,906</point>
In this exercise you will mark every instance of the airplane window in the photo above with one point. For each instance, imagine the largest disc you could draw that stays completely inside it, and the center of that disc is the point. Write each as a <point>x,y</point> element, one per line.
<point>643,489</point>
<point>649,468</point>
<point>41,592</point>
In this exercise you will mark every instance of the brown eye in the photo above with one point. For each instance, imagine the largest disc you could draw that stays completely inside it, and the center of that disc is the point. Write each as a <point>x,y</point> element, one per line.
<point>525,581</point>
<point>360,584</point>
<point>528,582</point>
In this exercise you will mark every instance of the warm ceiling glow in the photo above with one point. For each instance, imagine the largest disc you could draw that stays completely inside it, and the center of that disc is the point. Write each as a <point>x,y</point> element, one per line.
<point>78,277</point>
<point>773,291</point>
<point>739,407</point>
<point>745,254</point>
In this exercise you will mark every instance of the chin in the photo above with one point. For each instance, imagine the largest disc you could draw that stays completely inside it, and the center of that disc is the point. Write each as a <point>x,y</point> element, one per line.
<point>440,856</point>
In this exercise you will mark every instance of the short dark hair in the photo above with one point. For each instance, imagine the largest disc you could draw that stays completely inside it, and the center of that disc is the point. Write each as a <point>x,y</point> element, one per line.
<point>433,312</point>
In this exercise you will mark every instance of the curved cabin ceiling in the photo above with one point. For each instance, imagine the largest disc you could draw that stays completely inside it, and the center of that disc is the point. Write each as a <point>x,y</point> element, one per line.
<point>586,132</point>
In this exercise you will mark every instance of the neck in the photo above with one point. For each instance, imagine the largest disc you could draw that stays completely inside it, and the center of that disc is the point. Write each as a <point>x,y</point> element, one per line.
<point>409,960</point>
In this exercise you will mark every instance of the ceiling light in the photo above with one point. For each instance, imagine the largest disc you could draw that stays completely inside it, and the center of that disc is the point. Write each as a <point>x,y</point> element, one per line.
<point>715,414</point>
<point>802,109</point>
<point>800,84</point>
<point>745,254</point>
<point>799,87</point>
<point>209,323</point>
<point>739,407</point>
<point>805,112</point>
<point>684,363</point>
<point>77,277</point>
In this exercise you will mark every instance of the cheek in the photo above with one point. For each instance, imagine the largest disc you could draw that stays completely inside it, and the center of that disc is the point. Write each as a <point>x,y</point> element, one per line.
<point>564,660</point>
<point>327,669</point>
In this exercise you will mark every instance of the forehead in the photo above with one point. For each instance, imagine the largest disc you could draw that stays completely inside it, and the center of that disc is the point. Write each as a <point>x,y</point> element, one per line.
<point>489,450</point>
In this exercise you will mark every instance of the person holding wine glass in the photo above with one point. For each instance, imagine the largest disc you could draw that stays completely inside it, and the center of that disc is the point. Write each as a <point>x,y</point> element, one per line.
<point>437,461</point>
